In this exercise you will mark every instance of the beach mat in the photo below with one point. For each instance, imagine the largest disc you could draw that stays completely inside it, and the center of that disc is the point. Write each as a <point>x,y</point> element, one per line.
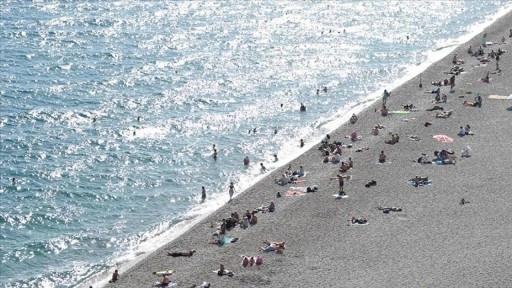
<point>500,97</point>
<point>340,197</point>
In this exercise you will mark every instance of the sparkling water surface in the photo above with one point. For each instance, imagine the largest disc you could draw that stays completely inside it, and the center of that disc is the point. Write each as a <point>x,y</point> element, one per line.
<point>94,186</point>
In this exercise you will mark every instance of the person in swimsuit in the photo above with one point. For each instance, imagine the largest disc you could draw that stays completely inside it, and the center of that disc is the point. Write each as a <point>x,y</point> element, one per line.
<point>382,157</point>
<point>115,277</point>
<point>231,190</point>
<point>203,194</point>
<point>341,181</point>
<point>181,254</point>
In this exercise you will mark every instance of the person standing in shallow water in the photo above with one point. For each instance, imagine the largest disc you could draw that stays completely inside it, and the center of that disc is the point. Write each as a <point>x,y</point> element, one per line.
<point>203,194</point>
<point>231,190</point>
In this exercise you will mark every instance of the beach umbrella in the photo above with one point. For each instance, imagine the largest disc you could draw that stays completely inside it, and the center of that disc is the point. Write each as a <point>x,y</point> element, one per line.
<point>443,138</point>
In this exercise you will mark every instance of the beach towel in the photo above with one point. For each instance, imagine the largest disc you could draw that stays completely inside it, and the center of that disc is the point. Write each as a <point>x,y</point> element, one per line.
<point>226,240</point>
<point>500,97</point>
<point>294,193</point>
<point>340,197</point>
<point>427,183</point>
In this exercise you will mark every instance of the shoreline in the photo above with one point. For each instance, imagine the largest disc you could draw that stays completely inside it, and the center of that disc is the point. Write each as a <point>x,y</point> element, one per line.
<point>246,200</point>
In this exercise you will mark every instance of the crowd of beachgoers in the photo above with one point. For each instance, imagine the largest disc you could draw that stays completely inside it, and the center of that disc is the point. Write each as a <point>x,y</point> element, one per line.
<point>339,154</point>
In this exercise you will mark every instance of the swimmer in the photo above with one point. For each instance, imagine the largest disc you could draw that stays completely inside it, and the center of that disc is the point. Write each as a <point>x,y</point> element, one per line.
<point>13,181</point>
<point>275,158</point>
<point>317,91</point>
<point>301,143</point>
<point>246,161</point>
<point>302,107</point>
<point>325,89</point>
<point>263,168</point>
<point>275,131</point>
<point>254,130</point>
<point>214,154</point>
<point>138,118</point>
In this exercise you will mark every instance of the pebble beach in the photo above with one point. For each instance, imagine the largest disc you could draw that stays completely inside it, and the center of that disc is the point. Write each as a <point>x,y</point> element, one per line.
<point>434,242</point>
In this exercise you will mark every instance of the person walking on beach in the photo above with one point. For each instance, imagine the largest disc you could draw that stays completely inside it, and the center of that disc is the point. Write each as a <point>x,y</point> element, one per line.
<point>385,97</point>
<point>231,190</point>
<point>203,194</point>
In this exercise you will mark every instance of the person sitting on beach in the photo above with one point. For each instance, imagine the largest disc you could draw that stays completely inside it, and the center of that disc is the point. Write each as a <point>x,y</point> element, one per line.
<point>409,107</point>
<point>353,119</point>
<point>382,157</point>
<point>284,180</point>
<point>437,99</point>
<point>375,131</point>
<point>389,209</point>
<point>462,132</point>
<point>336,158</point>
<point>115,277</point>
<point>182,254</point>
<point>270,208</point>
<point>470,50</point>
<point>463,201</point>
<point>301,172</point>
<point>244,224</point>
<point>165,281</point>
<point>486,79</point>
<point>478,101</point>
<point>384,111</point>
<point>222,271</point>
<point>354,137</point>
<point>344,167</point>
<point>254,220</point>
<point>394,139</point>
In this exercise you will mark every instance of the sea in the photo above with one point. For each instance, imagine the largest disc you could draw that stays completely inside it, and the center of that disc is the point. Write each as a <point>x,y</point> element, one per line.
<point>110,109</point>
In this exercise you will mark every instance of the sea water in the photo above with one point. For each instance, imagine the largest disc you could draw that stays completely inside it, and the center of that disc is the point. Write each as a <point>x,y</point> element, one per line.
<point>110,110</point>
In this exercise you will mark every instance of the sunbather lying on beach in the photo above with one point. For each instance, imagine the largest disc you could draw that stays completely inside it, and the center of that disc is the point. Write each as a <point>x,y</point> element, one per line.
<point>389,209</point>
<point>444,114</point>
<point>435,108</point>
<point>424,159</point>
<point>417,181</point>
<point>359,220</point>
<point>273,246</point>
<point>182,254</point>
<point>361,149</point>
<point>394,139</point>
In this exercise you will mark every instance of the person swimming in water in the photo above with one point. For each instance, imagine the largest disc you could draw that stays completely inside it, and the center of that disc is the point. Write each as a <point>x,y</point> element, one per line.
<point>302,107</point>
